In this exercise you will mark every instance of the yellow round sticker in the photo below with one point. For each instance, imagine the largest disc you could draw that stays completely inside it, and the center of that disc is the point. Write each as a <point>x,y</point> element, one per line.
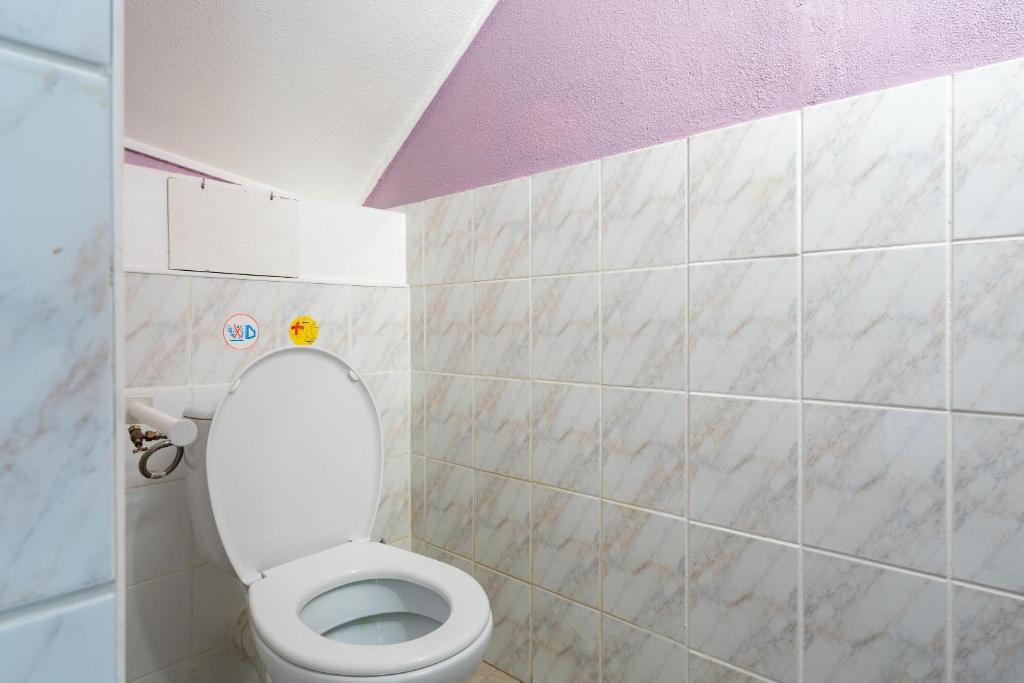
<point>303,331</point>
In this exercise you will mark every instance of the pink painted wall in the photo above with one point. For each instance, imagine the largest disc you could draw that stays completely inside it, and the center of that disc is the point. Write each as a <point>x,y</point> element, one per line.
<point>548,83</point>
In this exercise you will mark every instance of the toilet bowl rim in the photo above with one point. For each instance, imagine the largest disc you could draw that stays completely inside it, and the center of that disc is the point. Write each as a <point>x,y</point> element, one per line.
<point>276,601</point>
<point>479,643</point>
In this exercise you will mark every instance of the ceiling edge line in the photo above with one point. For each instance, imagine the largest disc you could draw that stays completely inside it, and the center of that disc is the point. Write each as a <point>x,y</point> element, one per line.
<point>198,166</point>
<point>395,146</point>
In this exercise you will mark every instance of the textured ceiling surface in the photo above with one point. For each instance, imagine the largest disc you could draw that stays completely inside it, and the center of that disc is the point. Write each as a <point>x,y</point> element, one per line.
<point>548,84</point>
<point>312,97</point>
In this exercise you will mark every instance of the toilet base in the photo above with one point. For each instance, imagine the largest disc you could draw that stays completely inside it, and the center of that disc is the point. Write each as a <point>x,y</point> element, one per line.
<point>456,669</point>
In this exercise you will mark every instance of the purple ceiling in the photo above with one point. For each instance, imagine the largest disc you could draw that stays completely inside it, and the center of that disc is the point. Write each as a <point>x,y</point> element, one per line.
<point>551,83</point>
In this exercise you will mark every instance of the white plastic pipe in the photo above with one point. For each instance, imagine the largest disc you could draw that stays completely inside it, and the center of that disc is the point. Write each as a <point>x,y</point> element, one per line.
<point>180,431</point>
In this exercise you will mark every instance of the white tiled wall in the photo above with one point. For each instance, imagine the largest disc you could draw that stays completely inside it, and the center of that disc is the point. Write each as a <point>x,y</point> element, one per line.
<point>58,498</point>
<point>747,405</point>
<point>180,607</point>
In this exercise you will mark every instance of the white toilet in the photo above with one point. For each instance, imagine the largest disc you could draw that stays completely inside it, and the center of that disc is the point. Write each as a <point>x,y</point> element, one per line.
<point>283,484</point>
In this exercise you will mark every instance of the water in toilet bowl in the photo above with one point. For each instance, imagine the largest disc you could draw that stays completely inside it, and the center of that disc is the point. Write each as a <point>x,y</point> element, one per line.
<point>375,612</point>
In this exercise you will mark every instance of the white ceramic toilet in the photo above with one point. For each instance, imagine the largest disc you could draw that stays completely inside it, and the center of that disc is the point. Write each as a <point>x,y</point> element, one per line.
<point>283,484</point>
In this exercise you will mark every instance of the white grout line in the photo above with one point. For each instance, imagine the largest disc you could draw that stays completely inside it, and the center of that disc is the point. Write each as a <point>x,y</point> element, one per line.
<point>709,394</point>
<point>688,405</point>
<point>51,58</point>
<point>800,588</point>
<point>529,450</point>
<point>726,665</point>
<point>948,357</point>
<point>58,603</point>
<point>616,271</point>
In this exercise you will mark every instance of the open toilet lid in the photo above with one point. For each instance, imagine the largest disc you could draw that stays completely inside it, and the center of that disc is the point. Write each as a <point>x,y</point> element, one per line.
<point>294,460</point>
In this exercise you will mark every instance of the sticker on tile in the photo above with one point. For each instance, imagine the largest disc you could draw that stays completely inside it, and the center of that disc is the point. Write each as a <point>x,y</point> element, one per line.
<point>241,331</point>
<point>303,331</point>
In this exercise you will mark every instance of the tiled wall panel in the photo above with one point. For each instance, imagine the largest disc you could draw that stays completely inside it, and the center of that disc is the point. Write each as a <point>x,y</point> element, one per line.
<point>179,607</point>
<point>59,509</point>
<point>768,423</point>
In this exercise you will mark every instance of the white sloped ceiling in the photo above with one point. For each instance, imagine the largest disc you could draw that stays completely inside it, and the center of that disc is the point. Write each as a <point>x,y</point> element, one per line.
<point>310,96</point>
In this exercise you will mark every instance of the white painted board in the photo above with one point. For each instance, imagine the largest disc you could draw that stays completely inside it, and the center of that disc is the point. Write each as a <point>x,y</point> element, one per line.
<point>223,228</point>
<point>354,243</point>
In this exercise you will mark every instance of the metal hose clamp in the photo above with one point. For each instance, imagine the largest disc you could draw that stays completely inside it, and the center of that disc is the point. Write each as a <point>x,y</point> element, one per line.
<point>146,454</point>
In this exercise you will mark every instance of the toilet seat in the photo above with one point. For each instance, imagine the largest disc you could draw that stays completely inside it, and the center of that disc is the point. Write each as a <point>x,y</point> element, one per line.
<point>276,600</point>
<point>296,460</point>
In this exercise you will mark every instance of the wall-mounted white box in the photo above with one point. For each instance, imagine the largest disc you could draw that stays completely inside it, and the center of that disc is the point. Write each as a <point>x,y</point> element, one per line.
<point>221,228</point>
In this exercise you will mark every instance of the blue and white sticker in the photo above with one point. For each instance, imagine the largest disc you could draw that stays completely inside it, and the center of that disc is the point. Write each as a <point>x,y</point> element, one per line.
<point>241,331</point>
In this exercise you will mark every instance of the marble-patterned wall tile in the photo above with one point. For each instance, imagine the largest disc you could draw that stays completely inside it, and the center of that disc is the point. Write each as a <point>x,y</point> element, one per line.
<point>988,508</point>
<point>743,327</point>
<point>414,228</point>
<point>501,426</point>
<point>503,524</point>
<point>391,393</point>
<point>566,436</point>
<point>435,553</point>
<point>449,424</point>
<point>393,513</point>
<point>50,645</point>
<point>875,484</point>
<point>448,239</point>
<point>743,602</point>
<point>380,329</point>
<point>566,530</point>
<point>77,28</point>
<point>874,326</point>
<point>643,207</point>
<point>988,326</point>
<point>330,306</point>
<point>449,327</point>
<point>644,569</point>
<point>565,328</point>
<point>417,328</point>
<point>643,448</point>
<point>706,671</point>
<point>509,649</point>
<point>214,301</point>
<point>448,522</point>
<point>565,214</point>
<point>875,168</point>
<point>630,655</point>
<point>417,496</point>
<point>57,395</point>
<point>501,230</point>
<point>988,637</point>
<point>217,596</point>
<point>158,531</point>
<point>743,190</point>
<point>501,328</point>
<point>566,640</point>
<point>743,464</point>
<point>156,330</point>
<point>644,328</point>
<point>220,665</point>
<point>988,151</point>
<point>418,413</point>
<point>864,623</point>
<point>157,623</point>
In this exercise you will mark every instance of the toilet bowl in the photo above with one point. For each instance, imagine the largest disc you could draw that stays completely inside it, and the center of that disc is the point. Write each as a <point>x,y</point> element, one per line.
<point>283,484</point>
